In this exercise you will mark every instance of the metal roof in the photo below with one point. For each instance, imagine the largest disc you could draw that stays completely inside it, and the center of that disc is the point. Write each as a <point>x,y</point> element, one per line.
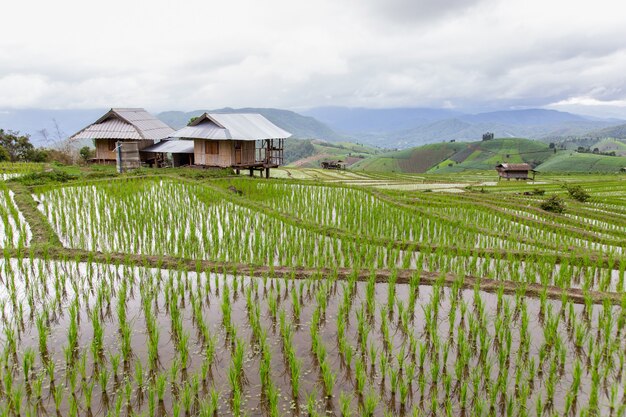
<point>515,167</point>
<point>122,123</point>
<point>171,146</point>
<point>234,126</point>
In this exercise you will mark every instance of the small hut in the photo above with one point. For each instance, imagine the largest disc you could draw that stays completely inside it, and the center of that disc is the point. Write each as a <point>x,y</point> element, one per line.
<point>123,125</point>
<point>237,140</point>
<point>514,171</point>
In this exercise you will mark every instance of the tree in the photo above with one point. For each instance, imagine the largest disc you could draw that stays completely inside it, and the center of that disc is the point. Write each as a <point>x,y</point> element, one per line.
<point>19,147</point>
<point>86,153</point>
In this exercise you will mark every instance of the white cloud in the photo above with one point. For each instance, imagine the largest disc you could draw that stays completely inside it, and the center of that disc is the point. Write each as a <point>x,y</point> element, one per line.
<point>197,54</point>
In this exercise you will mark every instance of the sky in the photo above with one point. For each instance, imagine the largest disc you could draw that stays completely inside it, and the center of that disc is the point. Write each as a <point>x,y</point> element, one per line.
<point>471,55</point>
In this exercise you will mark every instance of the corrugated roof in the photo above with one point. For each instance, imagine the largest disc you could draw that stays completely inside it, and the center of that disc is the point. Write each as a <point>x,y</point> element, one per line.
<point>125,123</point>
<point>235,126</point>
<point>171,146</point>
<point>515,167</point>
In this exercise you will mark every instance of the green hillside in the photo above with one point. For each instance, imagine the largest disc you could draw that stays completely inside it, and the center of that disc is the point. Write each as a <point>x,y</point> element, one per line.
<point>611,145</point>
<point>487,154</point>
<point>414,160</point>
<point>452,157</point>
<point>582,162</point>
<point>310,153</point>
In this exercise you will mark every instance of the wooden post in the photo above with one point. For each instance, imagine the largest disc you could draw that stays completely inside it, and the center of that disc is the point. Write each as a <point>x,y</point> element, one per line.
<point>251,172</point>
<point>267,172</point>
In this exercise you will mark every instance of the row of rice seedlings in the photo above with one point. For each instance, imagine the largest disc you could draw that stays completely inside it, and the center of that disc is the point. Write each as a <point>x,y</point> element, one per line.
<point>14,230</point>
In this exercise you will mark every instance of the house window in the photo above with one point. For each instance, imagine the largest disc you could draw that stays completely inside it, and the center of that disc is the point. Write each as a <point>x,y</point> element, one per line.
<point>211,147</point>
<point>112,145</point>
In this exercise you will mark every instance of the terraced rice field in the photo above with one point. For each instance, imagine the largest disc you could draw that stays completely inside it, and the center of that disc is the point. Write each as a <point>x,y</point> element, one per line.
<point>166,296</point>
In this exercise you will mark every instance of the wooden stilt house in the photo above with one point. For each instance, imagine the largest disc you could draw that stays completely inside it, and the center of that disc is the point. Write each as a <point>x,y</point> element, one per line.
<point>123,125</point>
<point>237,140</point>
<point>515,171</point>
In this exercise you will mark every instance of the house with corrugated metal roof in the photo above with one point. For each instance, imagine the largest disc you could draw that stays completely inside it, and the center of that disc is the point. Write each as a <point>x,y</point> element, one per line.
<point>238,140</point>
<point>126,125</point>
<point>514,171</point>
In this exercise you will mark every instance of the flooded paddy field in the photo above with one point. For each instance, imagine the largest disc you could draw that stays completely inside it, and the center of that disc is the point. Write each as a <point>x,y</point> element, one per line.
<point>97,339</point>
<point>170,295</point>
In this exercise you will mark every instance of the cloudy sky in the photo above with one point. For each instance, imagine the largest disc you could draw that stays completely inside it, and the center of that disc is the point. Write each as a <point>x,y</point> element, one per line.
<point>184,55</point>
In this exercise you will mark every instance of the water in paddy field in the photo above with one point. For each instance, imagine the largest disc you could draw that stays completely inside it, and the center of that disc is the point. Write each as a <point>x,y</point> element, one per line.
<point>412,326</point>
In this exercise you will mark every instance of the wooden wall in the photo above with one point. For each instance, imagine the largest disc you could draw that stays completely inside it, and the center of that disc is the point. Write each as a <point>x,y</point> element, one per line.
<point>226,155</point>
<point>103,146</point>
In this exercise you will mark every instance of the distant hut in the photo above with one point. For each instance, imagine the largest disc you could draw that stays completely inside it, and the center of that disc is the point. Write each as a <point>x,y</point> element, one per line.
<point>237,140</point>
<point>514,171</point>
<point>128,126</point>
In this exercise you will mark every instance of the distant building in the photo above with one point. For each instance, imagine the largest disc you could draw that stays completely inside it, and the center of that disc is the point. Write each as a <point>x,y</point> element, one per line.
<point>125,125</point>
<point>515,171</point>
<point>237,140</point>
<point>488,136</point>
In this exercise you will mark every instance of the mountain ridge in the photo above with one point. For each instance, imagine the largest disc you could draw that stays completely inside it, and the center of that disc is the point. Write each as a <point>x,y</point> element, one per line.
<point>385,128</point>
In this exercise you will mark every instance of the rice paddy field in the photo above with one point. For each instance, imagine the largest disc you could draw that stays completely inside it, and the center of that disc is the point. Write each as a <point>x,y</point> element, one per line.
<point>312,294</point>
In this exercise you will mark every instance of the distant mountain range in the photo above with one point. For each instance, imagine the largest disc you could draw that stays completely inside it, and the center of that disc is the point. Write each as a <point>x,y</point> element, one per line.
<point>406,127</point>
<point>385,128</point>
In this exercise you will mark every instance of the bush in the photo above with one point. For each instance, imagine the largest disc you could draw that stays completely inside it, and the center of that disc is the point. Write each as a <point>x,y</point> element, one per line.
<point>40,178</point>
<point>578,193</point>
<point>554,204</point>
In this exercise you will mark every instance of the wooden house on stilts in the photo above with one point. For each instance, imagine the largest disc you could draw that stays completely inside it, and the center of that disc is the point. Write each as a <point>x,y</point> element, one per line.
<point>237,140</point>
<point>515,171</point>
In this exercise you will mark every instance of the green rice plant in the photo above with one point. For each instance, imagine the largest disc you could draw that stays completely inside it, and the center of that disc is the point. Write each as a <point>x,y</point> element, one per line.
<point>87,394</point>
<point>345,404</point>
<point>369,404</point>
<point>188,398</point>
<point>310,403</point>
<point>236,402</point>
<point>58,394</point>
<point>360,377</point>
<point>328,377</point>
<point>160,384</point>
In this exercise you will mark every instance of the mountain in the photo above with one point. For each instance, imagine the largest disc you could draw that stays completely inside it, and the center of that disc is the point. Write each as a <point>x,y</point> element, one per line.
<point>364,120</point>
<point>407,127</point>
<point>398,128</point>
<point>526,117</point>
<point>617,132</point>
<point>301,127</point>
